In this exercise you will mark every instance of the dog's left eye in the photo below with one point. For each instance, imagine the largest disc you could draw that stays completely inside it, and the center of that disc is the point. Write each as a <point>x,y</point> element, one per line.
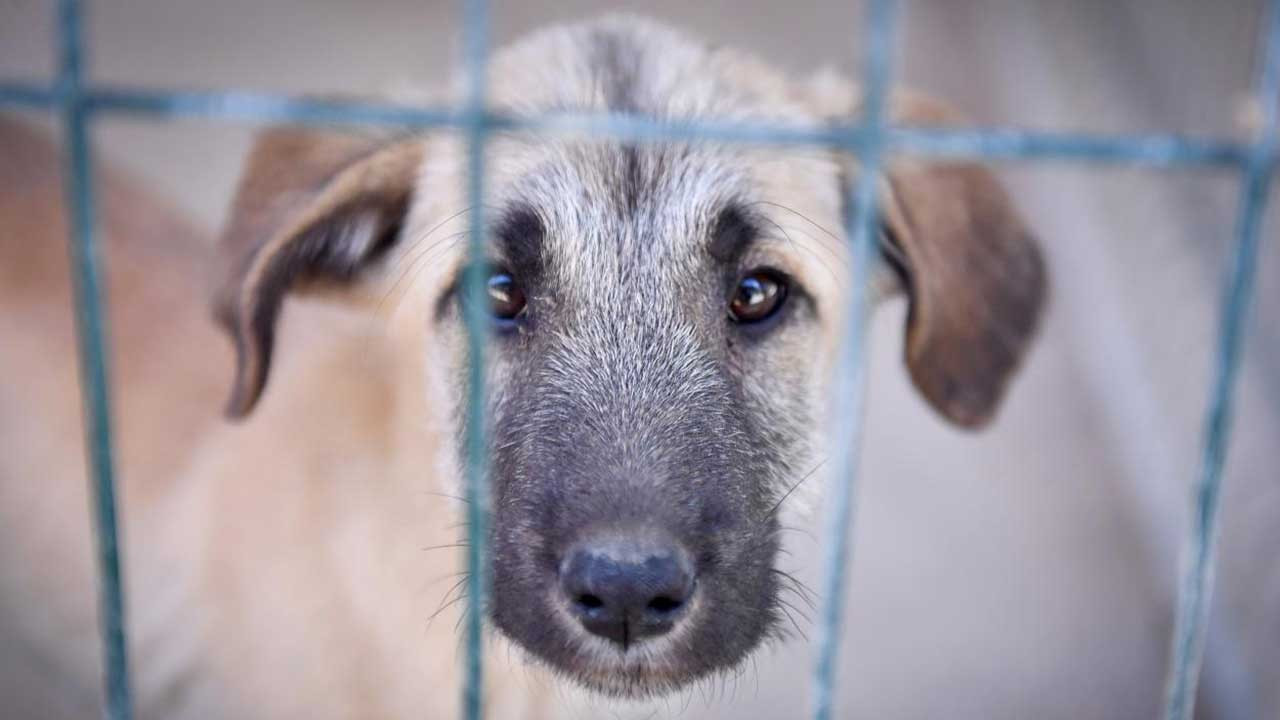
<point>758,296</point>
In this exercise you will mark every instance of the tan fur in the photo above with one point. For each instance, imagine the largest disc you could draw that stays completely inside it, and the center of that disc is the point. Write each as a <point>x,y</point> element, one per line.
<point>167,367</point>
<point>231,563</point>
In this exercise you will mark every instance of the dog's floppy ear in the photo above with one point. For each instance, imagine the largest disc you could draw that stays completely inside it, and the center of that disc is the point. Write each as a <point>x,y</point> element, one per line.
<point>972,272</point>
<point>313,207</point>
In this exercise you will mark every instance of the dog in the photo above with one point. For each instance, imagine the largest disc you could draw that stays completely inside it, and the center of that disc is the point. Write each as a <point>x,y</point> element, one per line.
<point>665,323</point>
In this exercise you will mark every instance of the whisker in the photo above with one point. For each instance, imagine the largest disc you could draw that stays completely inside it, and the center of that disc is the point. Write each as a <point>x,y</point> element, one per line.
<point>776,506</point>
<point>434,228</point>
<point>459,498</point>
<point>445,606</point>
<point>796,585</point>
<point>418,264</point>
<point>785,611</point>
<point>802,216</point>
<point>799,531</point>
<point>463,616</point>
<point>413,257</point>
<point>787,236</point>
<point>460,544</point>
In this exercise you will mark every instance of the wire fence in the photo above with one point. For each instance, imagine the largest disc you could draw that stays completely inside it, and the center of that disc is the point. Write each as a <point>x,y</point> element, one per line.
<point>872,138</point>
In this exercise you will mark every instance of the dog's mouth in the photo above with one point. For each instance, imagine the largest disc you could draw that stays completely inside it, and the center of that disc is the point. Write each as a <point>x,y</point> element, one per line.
<point>644,670</point>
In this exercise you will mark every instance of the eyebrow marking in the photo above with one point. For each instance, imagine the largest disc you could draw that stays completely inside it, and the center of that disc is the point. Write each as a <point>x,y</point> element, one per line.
<point>732,234</point>
<point>520,234</point>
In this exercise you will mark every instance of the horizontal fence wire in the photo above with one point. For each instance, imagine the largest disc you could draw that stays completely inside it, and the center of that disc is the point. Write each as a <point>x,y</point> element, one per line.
<point>873,138</point>
<point>1191,622</point>
<point>1151,149</point>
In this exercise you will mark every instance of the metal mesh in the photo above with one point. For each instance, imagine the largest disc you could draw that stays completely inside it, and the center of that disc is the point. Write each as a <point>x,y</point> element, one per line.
<point>872,139</point>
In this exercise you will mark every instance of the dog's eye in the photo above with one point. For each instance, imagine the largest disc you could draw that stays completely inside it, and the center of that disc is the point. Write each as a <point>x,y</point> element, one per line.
<point>506,297</point>
<point>758,296</point>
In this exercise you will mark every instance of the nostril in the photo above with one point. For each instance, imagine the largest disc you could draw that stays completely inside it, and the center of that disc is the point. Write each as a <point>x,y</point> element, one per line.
<point>627,587</point>
<point>663,605</point>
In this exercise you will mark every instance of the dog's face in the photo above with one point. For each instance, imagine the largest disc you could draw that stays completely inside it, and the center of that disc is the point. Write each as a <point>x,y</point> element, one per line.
<point>651,400</point>
<point>664,318</point>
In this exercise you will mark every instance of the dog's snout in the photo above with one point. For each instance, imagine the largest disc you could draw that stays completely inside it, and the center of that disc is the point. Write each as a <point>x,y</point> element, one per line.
<point>624,588</point>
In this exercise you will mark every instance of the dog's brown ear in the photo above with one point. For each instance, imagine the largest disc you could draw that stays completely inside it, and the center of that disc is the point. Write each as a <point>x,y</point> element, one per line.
<point>313,207</point>
<point>972,271</point>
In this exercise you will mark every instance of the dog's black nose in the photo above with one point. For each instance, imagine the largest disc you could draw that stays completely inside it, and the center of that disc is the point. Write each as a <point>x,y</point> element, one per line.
<point>624,587</point>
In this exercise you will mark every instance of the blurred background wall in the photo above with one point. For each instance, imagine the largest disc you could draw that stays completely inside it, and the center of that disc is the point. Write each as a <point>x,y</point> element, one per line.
<point>1024,572</point>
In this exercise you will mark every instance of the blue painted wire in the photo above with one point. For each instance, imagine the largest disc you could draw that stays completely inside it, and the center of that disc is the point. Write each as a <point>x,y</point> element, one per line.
<point>1160,150</point>
<point>92,334</point>
<point>476,41</point>
<point>846,431</point>
<point>1198,563</point>
<point>28,96</point>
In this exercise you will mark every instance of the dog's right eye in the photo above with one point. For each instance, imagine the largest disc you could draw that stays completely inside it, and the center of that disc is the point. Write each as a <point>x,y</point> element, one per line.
<point>757,297</point>
<point>506,297</point>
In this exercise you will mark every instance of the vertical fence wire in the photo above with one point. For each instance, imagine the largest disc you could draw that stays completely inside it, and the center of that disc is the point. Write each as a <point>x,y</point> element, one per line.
<point>1196,585</point>
<point>846,431</point>
<point>91,329</point>
<point>476,44</point>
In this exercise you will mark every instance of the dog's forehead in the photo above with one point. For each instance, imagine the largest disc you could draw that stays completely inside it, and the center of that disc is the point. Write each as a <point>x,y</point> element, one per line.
<point>613,208</point>
<point>630,65</point>
<point>659,201</point>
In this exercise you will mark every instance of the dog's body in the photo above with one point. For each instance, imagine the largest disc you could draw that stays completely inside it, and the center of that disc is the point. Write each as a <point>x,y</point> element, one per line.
<point>192,545</point>
<point>294,565</point>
